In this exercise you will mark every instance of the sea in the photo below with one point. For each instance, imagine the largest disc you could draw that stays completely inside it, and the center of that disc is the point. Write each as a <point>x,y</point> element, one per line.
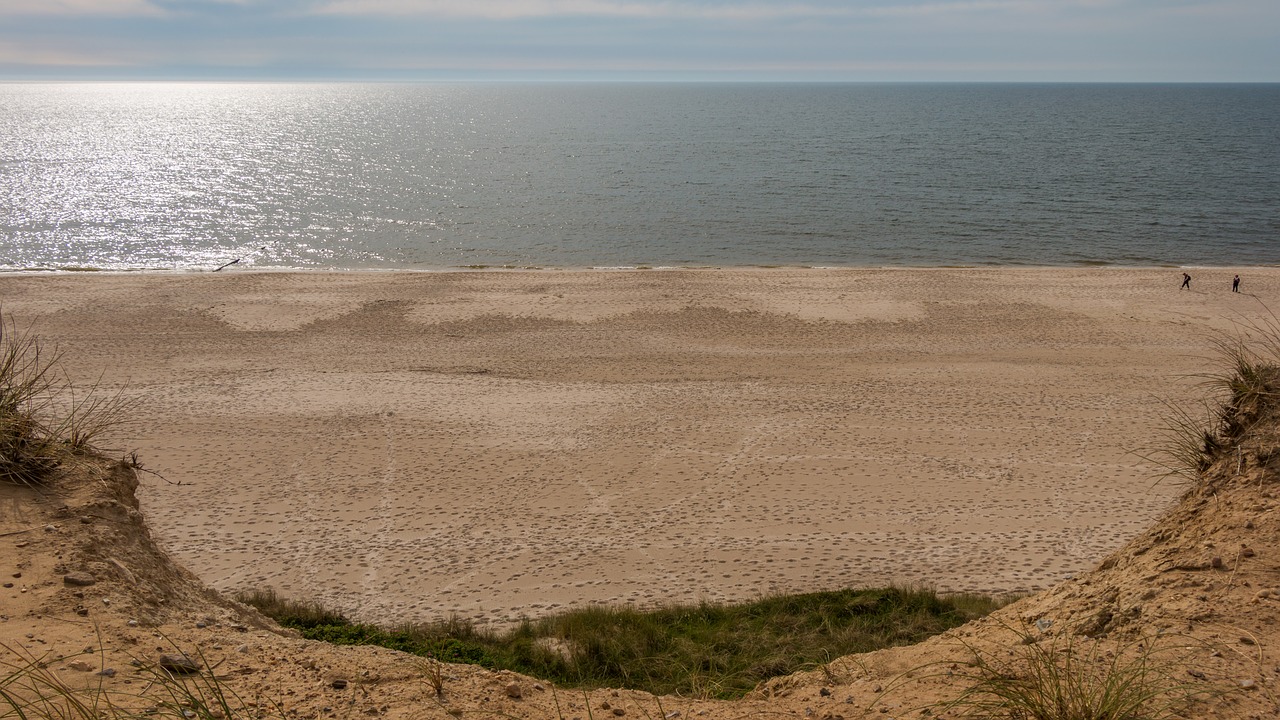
<point>439,176</point>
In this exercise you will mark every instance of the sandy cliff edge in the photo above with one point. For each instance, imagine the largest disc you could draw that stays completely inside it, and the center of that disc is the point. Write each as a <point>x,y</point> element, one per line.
<point>90,590</point>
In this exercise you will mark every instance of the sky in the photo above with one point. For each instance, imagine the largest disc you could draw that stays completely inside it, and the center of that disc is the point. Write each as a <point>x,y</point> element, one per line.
<point>676,40</point>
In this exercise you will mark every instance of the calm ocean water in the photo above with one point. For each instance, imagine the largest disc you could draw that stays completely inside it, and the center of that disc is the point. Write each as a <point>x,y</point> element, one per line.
<point>189,176</point>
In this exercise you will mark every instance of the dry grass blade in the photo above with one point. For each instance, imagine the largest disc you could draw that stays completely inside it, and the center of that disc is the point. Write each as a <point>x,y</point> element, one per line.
<point>1250,362</point>
<point>90,413</point>
<point>1188,445</point>
<point>198,695</point>
<point>30,690</point>
<point>433,672</point>
<point>1069,677</point>
<point>43,418</point>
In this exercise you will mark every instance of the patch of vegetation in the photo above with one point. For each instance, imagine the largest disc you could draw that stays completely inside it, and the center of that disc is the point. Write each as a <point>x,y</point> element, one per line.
<point>1242,397</point>
<point>44,420</point>
<point>448,641</point>
<point>31,688</point>
<point>1070,677</point>
<point>705,650</point>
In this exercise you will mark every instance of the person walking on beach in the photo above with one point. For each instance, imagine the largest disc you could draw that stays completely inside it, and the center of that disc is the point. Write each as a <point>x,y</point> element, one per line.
<point>1235,284</point>
<point>1186,282</point>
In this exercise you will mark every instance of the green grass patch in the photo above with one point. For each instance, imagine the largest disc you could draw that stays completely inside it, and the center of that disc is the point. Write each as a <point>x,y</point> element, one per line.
<point>703,650</point>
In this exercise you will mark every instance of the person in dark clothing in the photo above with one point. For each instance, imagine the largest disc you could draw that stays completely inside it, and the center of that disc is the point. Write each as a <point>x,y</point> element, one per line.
<point>1186,282</point>
<point>1235,284</point>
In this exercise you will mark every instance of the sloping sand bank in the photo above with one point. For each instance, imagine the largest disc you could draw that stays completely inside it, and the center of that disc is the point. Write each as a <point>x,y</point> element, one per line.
<point>404,446</point>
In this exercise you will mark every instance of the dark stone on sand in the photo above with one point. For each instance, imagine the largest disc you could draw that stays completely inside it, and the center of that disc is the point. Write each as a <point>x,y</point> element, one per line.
<point>178,663</point>
<point>79,578</point>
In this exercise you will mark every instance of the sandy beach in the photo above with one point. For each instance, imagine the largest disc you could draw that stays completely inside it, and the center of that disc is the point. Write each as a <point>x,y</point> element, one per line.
<point>498,444</point>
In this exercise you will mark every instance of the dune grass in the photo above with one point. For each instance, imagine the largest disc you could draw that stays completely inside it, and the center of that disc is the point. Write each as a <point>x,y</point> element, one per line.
<point>44,418</point>
<point>31,688</point>
<point>703,650</point>
<point>1071,677</point>
<point>1239,396</point>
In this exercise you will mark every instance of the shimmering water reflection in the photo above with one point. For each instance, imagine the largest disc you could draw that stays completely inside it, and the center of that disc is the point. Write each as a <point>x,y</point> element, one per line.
<point>177,176</point>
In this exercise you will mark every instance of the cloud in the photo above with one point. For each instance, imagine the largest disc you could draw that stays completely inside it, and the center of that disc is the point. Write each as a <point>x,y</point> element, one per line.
<point>138,8</point>
<point>39,54</point>
<point>698,9</point>
<point>659,9</point>
<point>525,9</point>
<point>79,8</point>
<point>852,39</point>
<point>770,10</point>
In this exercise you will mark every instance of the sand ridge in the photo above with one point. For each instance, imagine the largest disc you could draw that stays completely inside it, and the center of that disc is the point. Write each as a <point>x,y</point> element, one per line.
<point>405,446</point>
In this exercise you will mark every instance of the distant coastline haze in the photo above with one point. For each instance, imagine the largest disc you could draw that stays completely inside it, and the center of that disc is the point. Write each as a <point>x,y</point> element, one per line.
<point>645,40</point>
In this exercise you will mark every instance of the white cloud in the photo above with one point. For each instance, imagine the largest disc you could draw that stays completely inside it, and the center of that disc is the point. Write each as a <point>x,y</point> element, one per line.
<point>517,9</point>
<point>942,39</point>
<point>35,53</point>
<point>79,7</point>
<point>688,9</point>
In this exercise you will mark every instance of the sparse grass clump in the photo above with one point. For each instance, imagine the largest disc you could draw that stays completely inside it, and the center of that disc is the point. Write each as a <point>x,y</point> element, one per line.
<point>1071,677</point>
<point>31,688</point>
<point>1244,394</point>
<point>43,419</point>
<point>704,650</point>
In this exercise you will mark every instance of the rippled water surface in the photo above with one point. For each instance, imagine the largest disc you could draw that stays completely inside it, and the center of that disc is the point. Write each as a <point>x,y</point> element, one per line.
<point>184,176</point>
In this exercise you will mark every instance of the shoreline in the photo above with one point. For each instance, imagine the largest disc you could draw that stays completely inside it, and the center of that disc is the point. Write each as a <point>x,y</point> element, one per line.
<point>244,270</point>
<point>406,446</point>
